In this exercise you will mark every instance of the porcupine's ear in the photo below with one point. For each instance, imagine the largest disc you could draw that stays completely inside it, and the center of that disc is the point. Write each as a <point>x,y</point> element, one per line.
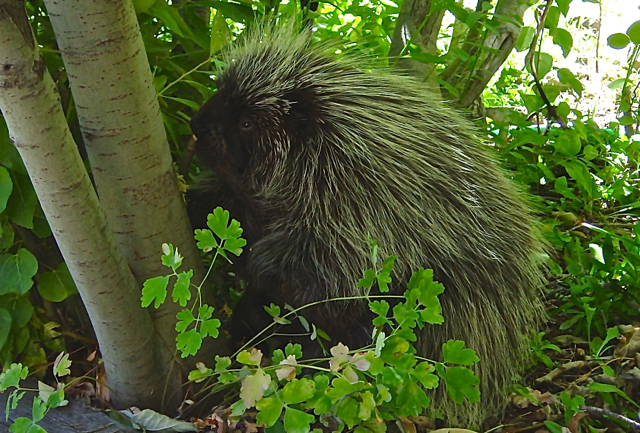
<point>303,114</point>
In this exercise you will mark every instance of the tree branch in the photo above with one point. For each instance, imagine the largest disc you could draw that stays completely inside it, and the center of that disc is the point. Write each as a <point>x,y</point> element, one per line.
<point>491,50</point>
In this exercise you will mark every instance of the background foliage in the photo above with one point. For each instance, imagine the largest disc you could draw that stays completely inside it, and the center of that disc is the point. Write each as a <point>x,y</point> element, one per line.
<point>576,154</point>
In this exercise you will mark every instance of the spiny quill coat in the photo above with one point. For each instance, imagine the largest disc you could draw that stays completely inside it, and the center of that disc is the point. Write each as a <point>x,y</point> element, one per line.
<point>314,155</point>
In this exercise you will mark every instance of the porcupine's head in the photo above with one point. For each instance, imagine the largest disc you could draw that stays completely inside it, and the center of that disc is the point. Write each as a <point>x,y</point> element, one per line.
<point>267,106</point>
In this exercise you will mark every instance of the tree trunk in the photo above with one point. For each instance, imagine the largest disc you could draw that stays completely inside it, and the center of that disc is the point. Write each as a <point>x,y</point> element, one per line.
<point>32,110</point>
<point>126,142</point>
<point>416,24</point>
<point>487,49</point>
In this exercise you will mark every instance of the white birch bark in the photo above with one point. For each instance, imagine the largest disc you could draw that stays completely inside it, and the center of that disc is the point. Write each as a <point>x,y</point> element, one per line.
<point>126,143</point>
<point>32,110</point>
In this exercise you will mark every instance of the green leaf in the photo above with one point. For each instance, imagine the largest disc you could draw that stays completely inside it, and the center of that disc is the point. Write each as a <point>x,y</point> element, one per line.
<point>368,279</point>
<point>568,144</point>
<point>61,365</point>
<point>405,315</point>
<point>170,17</point>
<point>238,408</point>
<point>188,343</point>
<point>554,427</point>
<point>200,374</point>
<point>222,363</point>
<point>185,318</point>
<point>634,32</point>
<point>273,310</point>
<point>142,5</point>
<point>17,272</point>
<point>237,12</point>
<point>188,102</point>
<point>580,173</point>
<point>618,41</point>
<point>424,373</point>
<point>293,349</point>
<point>171,258</point>
<point>6,186</point>
<point>553,17</point>
<point>210,327</point>
<point>320,402</point>
<point>220,34</point>
<point>56,399</point>
<point>428,291</point>
<point>21,311</point>
<point>25,425</point>
<point>563,110</point>
<point>383,279</point>
<point>154,289</point>
<point>298,390</point>
<point>387,266</point>
<point>206,241</point>
<point>590,152</point>
<point>181,292</point>
<point>39,410</point>
<point>367,405</point>
<point>341,387</point>
<point>58,285</point>
<point>296,421</point>
<point>525,38</point>
<point>564,40</point>
<point>453,352</point>
<point>567,77</point>
<point>543,63</point>
<point>5,326</point>
<point>396,353</point>
<point>253,387</point>
<point>461,383</point>
<point>563,6</point>
<point>412,399</point>
<point>7,236</point>
<point>22,203</point>
<point>12,376</point>
<point>234,246</point>
<point>617,84</point>
<point>270,409</point>
<point>348,410</point>
<point>250,358</point>
<point>380,308</point>
<point>218,221</point>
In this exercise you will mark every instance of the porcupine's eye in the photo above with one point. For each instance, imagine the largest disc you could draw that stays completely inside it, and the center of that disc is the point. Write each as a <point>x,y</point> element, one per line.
<point>246,125</point>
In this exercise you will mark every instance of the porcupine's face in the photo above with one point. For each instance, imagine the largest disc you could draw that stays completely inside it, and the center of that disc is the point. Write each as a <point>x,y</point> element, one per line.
<point>244,127</point>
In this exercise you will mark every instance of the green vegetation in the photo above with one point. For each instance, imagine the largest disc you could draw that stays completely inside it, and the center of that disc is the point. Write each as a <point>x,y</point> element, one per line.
<point>581,174</point>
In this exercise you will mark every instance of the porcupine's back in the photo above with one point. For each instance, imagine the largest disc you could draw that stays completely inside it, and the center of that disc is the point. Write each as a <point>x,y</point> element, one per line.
<point>372,154</point>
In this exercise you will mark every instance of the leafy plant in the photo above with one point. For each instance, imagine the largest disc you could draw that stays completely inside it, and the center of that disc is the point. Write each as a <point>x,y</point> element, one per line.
<point>359,389</point>
<point>48,398</point>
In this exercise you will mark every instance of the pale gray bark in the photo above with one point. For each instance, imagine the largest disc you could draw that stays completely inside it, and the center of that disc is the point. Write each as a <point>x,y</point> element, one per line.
<point>491,50</point>
<point>417,26</point>
<point>120,119</point>
<point>32,110</point>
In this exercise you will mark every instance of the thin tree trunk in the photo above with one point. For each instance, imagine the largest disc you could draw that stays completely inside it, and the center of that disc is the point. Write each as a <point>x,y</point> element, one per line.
<point>32,110</point>
<point>419,25</point>
<point>416,24</point>
<point>120,119</point>
<point>490,49</point>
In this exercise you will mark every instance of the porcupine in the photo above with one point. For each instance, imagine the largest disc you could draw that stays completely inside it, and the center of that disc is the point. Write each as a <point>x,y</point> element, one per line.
<point>315,155</point>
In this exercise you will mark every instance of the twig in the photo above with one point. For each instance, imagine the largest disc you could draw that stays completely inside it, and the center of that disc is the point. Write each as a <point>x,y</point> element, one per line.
<point>534,71</point>
<point>185,163</point>
<point>634,424</point>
